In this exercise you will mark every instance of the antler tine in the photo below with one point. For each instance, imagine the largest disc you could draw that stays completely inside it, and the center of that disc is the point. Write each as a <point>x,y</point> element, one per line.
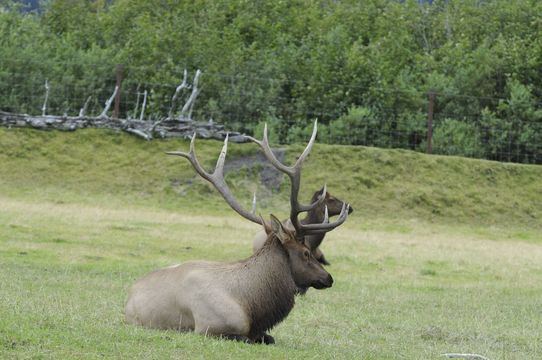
<point>264,145</point>
<point>254,203</point>
<point>325,226</point>
<point>191,156</point>
<point>217,178</point>
<point>219,168</point>
<point>294,173</point>
<point>308,149</point>
<point>289,170</point>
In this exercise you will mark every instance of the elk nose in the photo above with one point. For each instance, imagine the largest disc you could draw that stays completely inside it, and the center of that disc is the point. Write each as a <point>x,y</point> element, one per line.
<point>323,283</point>
<point>350,209</point>
<point>329,281</point>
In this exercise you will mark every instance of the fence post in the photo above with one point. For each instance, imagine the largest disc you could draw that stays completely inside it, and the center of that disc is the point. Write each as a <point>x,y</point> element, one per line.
<point>430,110</point>
<point>120,74</point>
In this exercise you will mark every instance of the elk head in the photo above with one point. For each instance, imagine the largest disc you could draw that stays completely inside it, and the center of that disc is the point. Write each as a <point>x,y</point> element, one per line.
<point>306,270</point>
<point>333,204</point>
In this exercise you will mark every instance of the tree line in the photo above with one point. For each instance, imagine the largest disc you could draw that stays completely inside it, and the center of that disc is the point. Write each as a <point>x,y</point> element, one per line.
<point>363,68</point>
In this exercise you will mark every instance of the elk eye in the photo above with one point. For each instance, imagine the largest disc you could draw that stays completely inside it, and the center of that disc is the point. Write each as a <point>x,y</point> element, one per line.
<point>306,254</point>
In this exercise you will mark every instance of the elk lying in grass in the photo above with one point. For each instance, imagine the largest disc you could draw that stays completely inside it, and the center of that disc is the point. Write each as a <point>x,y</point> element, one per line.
<point>314,216</point>
<point>240,300</point>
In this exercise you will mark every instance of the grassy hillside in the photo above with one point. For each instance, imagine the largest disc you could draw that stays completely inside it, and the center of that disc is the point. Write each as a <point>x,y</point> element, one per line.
<point>96,167</point>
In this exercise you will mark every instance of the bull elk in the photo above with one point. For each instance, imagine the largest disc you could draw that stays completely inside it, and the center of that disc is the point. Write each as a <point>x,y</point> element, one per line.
<point>314,216</point>
<point>242,300</point>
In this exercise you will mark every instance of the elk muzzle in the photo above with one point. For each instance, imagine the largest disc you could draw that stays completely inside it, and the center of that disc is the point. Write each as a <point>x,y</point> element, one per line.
<point>323,283</point>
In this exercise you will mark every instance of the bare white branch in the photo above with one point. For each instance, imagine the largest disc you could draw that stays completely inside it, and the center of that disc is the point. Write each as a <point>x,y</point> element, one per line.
<point>188,105</point>
<point>108,103</point>
<point>44,107</point>
<point>192,105</point>
<point>178,90</point>
<point>144,105</point>
<point>137,102</point>
<point>83,110</point>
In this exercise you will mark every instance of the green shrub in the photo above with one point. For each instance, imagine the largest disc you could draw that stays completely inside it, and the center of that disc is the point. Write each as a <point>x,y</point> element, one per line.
<point>359,126</point>
<point>454,137</point>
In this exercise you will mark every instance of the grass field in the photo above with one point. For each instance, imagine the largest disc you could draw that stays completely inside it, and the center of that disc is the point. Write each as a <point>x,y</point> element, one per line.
<point>441,254</point>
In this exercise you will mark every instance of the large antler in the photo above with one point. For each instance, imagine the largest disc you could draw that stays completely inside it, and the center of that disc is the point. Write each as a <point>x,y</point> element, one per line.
<point>294,173</point>
<point>217,178</point>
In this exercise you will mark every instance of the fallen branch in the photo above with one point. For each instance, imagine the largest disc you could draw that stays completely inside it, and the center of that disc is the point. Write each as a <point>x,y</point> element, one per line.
<point>153,127</point>
<point>139,133</point>
<point>166,128</point>
<point>466,356</point>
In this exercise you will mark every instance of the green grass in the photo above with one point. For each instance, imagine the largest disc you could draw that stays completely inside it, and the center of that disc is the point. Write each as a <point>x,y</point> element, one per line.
<point>106,168</point>
<point>441,254</point>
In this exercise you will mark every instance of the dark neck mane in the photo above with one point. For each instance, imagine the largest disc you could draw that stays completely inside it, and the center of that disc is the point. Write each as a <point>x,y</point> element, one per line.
<point>268,288</point>
<point>315,216</point>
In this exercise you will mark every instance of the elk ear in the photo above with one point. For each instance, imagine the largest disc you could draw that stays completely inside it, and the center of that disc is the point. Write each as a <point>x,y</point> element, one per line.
<point>323,191</point>
<point>278,229</point>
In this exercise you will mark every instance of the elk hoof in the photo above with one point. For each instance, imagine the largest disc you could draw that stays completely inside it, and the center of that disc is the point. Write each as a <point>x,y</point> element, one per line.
<point>265,339</point>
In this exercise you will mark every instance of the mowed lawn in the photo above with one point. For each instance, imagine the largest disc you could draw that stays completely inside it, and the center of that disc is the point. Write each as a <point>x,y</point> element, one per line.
<point>404,289</point>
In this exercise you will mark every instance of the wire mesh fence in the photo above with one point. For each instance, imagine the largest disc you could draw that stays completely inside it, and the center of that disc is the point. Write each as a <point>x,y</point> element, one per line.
<point>451,125</point>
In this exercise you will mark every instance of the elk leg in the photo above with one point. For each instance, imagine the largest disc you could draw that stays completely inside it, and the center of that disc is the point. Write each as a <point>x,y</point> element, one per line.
<point>264,339</point>
<point>226,319</point>
<point>240,338</point>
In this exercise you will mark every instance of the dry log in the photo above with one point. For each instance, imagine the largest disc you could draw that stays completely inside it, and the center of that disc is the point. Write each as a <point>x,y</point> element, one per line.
<point>165,128</point>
